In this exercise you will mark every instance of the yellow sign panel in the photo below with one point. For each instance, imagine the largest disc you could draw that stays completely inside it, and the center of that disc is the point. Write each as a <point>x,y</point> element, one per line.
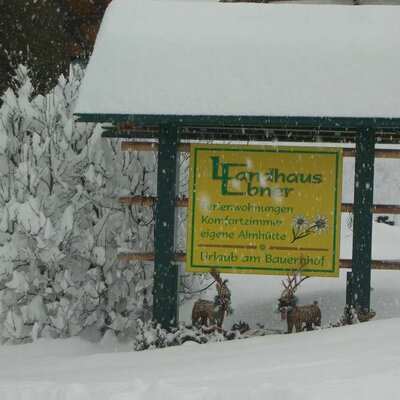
<point>264,210</point>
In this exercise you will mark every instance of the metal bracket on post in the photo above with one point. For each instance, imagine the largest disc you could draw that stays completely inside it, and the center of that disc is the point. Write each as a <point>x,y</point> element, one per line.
<point>359,286</point>
<point>165,293</point>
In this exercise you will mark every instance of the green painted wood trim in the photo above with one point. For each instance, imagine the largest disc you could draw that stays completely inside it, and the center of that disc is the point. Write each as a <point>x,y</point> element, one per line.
<point>165,293</point>
<point>362,223</point>
<point>327,123</point>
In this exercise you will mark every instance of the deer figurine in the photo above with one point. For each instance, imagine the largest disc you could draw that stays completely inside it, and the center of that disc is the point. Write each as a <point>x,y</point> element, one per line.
<point>213,312</point>
<point>295,315</point>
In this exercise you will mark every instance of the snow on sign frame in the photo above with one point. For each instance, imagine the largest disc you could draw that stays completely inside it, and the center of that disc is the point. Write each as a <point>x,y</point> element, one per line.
<point>264,209</point>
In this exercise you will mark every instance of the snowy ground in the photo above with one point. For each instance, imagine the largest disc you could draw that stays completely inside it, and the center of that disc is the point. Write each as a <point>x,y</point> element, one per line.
<point>354,362</point>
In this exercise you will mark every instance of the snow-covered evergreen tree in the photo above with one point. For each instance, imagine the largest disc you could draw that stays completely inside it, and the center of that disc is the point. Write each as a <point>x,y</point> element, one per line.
<point>60,223</point>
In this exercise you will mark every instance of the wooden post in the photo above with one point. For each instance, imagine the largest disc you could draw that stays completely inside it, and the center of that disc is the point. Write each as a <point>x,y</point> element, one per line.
<point>360,283</point>
<point>165,304</point>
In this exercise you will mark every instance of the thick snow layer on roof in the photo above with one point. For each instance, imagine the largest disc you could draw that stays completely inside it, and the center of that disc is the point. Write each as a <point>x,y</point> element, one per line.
<point>245,59</point>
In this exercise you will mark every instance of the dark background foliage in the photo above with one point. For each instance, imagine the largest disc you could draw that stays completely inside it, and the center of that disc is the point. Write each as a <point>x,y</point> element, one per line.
<point>46,35</point>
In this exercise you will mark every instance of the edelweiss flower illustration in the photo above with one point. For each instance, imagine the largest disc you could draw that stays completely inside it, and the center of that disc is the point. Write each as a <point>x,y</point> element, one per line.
<point>321,223</point>
<point>299,221</point>
<point>302,228</point>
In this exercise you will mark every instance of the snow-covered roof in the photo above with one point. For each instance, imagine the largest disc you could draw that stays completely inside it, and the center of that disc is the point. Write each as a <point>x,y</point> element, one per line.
<point>244,59</point>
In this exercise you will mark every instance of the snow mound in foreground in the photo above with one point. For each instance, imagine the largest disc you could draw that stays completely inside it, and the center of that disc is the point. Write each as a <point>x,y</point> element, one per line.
<point>352,362</point>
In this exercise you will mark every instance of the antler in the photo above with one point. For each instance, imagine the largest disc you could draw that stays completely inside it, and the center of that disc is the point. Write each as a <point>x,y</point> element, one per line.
<point>289,283</point>
<point>297,283</point>
<point>289,286</point>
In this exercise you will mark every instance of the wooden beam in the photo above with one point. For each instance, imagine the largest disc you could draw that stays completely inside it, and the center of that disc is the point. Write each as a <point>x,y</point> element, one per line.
<point>375,264</point>
<point>127,256</point>
<point>136,256</point>
<point>376,208</point>
<point>181,257</point>
<point>150,146</point>
<point>128,127</point>
<point>379,153</point>
<point>149,201</point>
<point>137,201</point>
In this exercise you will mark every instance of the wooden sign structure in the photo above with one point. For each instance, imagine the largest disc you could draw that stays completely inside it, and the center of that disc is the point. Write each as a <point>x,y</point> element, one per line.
<point>176,93</point>
<point>264,209</point>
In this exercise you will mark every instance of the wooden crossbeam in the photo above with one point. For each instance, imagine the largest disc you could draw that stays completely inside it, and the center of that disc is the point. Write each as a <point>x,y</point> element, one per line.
<point>127,127</point>
<point>150,146</point>
<point>379,153</point>
<point>128,256</point>
<point>181,258</point>
<point>149,201</point>
<point>376,209</point>
<point>375,264</point>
